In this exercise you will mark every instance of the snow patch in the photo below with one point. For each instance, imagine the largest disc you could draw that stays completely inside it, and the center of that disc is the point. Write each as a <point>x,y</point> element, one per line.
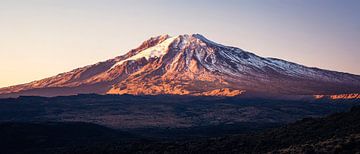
<point>152,52</point>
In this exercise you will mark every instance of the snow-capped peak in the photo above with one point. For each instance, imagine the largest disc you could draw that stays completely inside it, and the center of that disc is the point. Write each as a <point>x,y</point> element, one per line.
<point>161,48</point>
<point>152,52</point>
<point>191,65</point>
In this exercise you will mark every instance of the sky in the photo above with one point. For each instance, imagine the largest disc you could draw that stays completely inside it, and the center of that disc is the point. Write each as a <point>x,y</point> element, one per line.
<point>41,38</point>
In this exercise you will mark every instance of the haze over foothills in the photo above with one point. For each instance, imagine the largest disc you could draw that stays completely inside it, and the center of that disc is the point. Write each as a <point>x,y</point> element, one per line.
<point>40,38</point>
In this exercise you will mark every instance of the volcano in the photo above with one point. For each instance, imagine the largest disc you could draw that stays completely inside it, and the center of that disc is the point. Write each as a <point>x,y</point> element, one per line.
<point>192,65</point>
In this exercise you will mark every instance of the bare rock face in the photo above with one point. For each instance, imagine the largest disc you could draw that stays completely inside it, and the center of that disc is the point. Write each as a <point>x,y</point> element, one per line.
<point>339,96</point>
<point>191,65</point>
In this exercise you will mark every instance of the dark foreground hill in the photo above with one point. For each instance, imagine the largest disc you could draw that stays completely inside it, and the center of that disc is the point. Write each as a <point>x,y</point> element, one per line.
<point>337,133</point>
<point>24,137</point>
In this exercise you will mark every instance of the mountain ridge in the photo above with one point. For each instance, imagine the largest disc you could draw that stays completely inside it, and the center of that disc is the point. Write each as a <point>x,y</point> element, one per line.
<point>191,65</point>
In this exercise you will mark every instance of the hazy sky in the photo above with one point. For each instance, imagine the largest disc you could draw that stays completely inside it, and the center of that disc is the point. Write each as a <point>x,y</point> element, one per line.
<point>41,38</point>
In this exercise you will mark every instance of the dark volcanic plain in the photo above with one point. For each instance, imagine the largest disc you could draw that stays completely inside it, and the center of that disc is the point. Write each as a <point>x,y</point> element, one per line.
<point>176,124</point>
<point>164,111</point>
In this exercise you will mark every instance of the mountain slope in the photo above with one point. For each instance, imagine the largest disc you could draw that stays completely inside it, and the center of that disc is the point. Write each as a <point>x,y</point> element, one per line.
<point>191,65</point>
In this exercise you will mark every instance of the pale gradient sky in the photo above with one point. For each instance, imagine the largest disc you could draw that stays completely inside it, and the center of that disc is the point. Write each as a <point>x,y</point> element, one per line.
<point>41,38</point>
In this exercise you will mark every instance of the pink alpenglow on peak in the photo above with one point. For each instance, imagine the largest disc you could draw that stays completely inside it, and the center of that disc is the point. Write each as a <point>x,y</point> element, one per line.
<point>191,65</point>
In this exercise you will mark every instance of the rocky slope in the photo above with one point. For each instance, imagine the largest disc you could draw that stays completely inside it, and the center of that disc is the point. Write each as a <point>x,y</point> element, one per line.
<point>191,65</point>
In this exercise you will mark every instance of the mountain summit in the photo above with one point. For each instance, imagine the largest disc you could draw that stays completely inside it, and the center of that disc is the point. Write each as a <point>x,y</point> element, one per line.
<point>191,65</point>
